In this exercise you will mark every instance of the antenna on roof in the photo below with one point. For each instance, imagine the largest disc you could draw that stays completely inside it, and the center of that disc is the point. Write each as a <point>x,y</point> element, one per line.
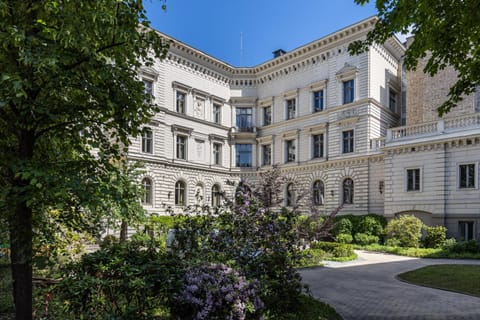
<point>241,48</point>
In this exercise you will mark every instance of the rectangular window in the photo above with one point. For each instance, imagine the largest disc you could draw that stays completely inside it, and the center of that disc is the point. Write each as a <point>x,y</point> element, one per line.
<point>347,141</point>
<point>317,101</point>
<point>392,102</point>
<point>413,179</point>
<point>244,119</point>
<point>180,102</point>
<point>290,108</point>
<point>243,155</point>
<point>148,84</point>
<point>181,147</point>
<point>147,141</point>
<point>348,91</point>
<point>217,115</point>
<point>290,151</point>
<point>465,230</point>
<point>217,153</point>
<point>317,141</point>
<point>467,175</point>
<point>267,115</point>
<point>267,155</point>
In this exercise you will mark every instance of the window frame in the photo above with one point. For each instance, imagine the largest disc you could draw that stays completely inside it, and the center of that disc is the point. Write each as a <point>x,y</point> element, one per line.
<point>461,230</point>
<point>474,176</point>
<point>348,147</point>
<point>244,118</point>
<point>395,100</point>
<point>148,89</point>
<point>290,145</point>
<point>407,177</point>
<point>180,108</point>
<point>321,148</point>
<point>290,108</point>
<point>180,193</point>
<point>147,187</point>
<point>320,100</point>
<point>348,91</point>
<point>264,148</point>
<point>181,147</point>
<point>239,152</point>
<point>217,113</point>
<point>147,140</point>
<point>217,153</point>
<point>267,115</point>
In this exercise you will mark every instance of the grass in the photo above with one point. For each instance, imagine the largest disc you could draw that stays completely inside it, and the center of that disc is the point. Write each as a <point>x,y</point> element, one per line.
<point>420,252</point>
<point>311,309</point>
<point>458,278</point>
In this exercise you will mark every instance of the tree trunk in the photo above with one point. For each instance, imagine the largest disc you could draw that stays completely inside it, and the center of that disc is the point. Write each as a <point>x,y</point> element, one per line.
<point>21,260</point>
<point>20,226</point>
<point>123,231</point>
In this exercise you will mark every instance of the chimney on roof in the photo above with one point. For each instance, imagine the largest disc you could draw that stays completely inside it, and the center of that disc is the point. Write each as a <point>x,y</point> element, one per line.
<point>279,52</point>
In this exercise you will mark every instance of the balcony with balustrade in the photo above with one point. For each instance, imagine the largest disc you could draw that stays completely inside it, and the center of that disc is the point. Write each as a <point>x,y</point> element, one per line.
<point>435,130</point>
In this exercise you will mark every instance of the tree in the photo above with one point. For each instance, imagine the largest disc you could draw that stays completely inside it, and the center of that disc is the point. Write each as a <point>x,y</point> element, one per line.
<point>70,101</point>
<point>449,31</point>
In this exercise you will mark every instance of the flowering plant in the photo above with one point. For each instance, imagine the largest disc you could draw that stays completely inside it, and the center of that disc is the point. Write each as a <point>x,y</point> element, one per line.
<point>216,291</point>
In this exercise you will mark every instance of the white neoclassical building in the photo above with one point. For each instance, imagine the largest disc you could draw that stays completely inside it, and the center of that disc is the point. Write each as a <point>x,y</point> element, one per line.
<point>329,120</point>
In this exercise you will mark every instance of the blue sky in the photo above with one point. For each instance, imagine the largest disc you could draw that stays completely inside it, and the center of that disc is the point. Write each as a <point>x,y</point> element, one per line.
<point>217,26</point>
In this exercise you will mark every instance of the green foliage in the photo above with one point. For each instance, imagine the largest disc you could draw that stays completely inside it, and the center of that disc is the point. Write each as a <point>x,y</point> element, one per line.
<point>371,225</point>
<point>122,281</point>
<point>365,239</point>
<point>344,226</point>
<point>309,309</point>
<point>435,237</point>
<point>407,229</point>
<point>311,258</point>
<point>446,32</point>
<point>64,94</point>
<point>470,246</point>
<point>261,243</point>
<point>336,250</point>
<point>344,238</point>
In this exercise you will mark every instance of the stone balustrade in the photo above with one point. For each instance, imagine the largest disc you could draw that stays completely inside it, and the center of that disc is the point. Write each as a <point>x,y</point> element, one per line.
<point>433,128</point>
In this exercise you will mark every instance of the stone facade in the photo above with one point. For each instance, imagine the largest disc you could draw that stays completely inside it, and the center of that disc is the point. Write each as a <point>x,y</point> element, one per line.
<point>327,119</point>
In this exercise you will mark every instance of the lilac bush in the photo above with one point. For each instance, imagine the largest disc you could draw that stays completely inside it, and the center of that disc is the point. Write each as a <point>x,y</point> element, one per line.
<point>216,291</point>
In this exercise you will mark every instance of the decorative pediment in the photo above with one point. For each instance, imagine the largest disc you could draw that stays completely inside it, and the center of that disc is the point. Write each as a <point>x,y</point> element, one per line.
<point>265,140</point>
<point>318,128</point>
<point>290,94</point>
<point>292,134</point>
<point>319,85</point>
<point>348,71</point>
<point>181,129</point>
<point>265,102</point>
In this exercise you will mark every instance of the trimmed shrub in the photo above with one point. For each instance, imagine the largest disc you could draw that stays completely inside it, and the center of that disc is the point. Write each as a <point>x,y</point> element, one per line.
<point>311,257</point>
<point>344,238</point>
<point>392,242</point>
<point>407,229</point>
<point>343,226</point>
<point>471,246</point>
<point>435,237</point>
<point>366,239</point>
<point>370,226</point>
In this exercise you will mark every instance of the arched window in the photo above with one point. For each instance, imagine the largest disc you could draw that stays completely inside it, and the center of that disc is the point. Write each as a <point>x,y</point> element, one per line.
<point>290,195</point>
<point>348,191</point>
<point>215,195</point>
<point>318,193</point>
<point>180,196</point>
<point>147,191</point>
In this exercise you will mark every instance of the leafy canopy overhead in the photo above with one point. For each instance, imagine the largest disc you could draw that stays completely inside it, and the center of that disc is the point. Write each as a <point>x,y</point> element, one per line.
<point>70,102</point>
<point>448,31</point>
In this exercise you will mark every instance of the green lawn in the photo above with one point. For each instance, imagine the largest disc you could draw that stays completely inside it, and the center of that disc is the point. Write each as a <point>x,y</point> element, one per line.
<point>419,252</point>
<point>459,278</point>
<point>312,309</point>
